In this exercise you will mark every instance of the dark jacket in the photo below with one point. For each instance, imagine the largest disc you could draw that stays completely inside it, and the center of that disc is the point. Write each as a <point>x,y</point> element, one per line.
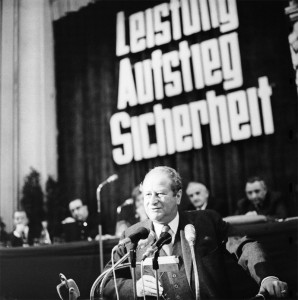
<point>273,206</point>
<point>214,204</point>
<point>14,241</point>
<point>212,242</point>
<point>80,230</point>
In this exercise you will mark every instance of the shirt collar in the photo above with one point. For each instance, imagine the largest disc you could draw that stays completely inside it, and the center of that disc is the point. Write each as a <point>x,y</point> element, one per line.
<point>203,206</point>
<point>173,225</point>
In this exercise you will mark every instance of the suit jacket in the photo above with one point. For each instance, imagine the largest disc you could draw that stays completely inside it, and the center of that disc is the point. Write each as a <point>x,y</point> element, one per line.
<point>212,242</point>
<point>80,230</point>
<point>14,241</point>
<point>273,206</point>
<point>214,204</point>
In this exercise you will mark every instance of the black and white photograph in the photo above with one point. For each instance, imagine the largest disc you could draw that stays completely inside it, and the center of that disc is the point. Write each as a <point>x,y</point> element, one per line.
<point>148,149</point>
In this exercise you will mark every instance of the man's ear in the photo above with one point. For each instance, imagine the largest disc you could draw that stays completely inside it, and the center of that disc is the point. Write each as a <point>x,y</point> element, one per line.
<point>179,196</point>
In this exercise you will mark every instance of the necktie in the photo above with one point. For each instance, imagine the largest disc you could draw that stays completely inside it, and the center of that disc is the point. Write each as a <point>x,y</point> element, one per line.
<point>169,247</point>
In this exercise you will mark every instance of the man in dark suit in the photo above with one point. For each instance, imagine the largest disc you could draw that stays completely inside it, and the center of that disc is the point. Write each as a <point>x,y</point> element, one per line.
<point>162,190</point>
<point>22,234</point>
<point>200,198</point>
<point>260,201</point>
<point>81,225</point>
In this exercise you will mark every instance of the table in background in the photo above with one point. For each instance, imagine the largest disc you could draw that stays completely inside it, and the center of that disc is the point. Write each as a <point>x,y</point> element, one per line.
<point>33,273</point>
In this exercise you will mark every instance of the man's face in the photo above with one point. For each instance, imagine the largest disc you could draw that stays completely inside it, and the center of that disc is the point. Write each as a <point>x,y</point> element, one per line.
<point>197,194</point>
<point>78,211</point>
<point>161,205</point>
<point>20,217</point>
<point>256,192</point>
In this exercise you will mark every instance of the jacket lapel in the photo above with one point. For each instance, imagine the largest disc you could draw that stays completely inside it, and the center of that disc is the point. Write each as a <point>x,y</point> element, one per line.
<point>186,253</point>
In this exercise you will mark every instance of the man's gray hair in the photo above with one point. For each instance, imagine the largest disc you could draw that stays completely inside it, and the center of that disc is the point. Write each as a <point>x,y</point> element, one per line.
<point>175,177</point>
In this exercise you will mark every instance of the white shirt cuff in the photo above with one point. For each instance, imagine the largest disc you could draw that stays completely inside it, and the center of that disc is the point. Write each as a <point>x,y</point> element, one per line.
<point>269,277</point>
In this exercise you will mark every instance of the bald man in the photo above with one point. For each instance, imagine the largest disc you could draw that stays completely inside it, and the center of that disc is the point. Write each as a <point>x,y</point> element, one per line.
<point>198,195</point>
<point>200,199</point>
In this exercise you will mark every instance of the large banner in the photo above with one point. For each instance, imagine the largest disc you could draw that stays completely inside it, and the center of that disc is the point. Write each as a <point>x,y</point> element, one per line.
<point>204,86</point>
<point>174,49</point>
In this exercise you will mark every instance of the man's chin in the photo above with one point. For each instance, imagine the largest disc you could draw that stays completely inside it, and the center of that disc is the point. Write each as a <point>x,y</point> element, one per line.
<point>155,216</point>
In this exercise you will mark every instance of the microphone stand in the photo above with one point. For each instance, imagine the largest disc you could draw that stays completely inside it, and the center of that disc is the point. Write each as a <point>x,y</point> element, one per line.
<point>155,267</point>
<point>195,267</point>
<point>133,263</point>
<point>99,229</point>
<point>103,276</point>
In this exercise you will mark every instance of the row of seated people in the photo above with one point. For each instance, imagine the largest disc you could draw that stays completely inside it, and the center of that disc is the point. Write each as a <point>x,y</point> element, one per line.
<point>258,200</point>
<point>79,226</point>
<point>83,226</point>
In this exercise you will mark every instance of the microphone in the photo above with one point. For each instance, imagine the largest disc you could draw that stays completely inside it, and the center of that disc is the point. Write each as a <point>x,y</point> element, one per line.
<point>108,180</point>
<point>148,241</point>
<point>164,239</point>
<point>141,233</point>
<point>190,235</point>
<point>70,289</point>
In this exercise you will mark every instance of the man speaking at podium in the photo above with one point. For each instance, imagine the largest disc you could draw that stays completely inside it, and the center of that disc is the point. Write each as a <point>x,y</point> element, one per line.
<point>162,190</point>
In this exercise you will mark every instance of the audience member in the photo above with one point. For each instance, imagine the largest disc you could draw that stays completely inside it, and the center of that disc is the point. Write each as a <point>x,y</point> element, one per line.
<point>200,198</point>
<point>22,235</point>
<point>260,201</point>
<point>81,225</point>
<point>162,190</point>
<point>131,211</point>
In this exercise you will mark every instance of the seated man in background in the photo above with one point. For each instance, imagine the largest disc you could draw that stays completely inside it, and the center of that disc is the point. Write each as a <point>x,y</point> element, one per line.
<point>131,211</point>
<point>200,199</point>
<point>260,201</point>
<point>21,236</point>
<point>80,226</point>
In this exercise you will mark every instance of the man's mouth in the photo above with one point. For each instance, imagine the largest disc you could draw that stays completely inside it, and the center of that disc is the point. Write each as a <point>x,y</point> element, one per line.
<point>155,208</point>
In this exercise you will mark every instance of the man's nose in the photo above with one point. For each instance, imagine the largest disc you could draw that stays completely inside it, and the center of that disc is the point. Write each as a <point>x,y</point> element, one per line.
<point>254,195</point>
<point>153,199</point>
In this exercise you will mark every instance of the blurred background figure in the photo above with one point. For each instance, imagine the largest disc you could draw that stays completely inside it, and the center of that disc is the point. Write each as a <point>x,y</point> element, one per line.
<point>260,201</point>
<point>44,235</point>
<point>24,235</point>
<point>81,225</point>
<point>21,236</point>
<point>3,234</point>
<point>131,211</point>
<point>200,198</point>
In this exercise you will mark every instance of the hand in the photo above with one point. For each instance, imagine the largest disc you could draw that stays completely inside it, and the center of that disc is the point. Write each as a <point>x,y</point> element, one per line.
<point>20,228</point>
<point>251,213</point>
<point>274,287</point>
<point>68,220</point>
<point>149,286</point>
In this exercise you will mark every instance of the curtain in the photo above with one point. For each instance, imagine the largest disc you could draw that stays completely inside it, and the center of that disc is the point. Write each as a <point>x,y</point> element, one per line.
<point>87,74</point>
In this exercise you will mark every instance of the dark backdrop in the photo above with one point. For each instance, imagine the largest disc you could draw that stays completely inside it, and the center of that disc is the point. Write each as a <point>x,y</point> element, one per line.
<point>87,73</point>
